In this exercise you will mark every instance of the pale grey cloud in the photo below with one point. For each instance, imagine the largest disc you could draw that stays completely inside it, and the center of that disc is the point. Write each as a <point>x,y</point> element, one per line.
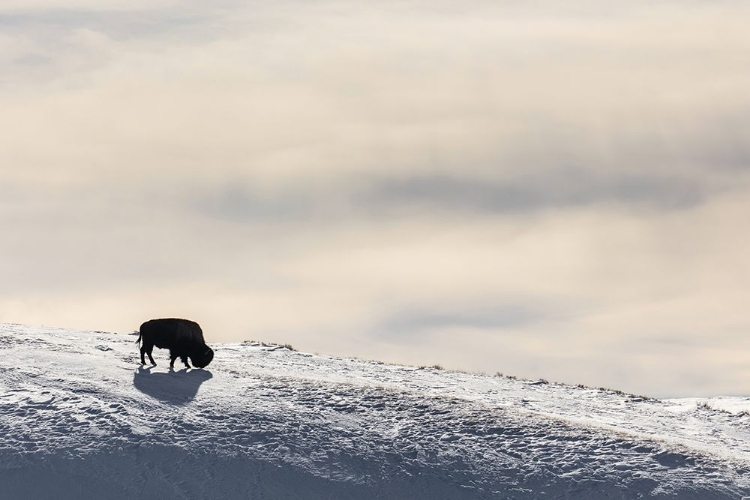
<point>553,189</point>
<point>43,7</point>
<point>242,205</point>
<point>558,188</point>
<point>414,324</point>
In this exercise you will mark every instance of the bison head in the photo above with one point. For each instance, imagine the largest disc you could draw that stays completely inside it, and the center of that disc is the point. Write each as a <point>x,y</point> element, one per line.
<point>203,358</point>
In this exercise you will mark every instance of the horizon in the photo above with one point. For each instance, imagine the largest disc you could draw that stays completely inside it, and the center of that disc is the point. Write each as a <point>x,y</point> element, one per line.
<point>162,358</point>
<point>543,190</point>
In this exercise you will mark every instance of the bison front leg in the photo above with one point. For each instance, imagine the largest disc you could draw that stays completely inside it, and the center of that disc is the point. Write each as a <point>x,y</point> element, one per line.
<point>172,356</point>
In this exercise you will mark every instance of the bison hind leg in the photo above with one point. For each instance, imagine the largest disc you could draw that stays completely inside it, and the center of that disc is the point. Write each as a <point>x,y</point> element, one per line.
<point>147,350</point>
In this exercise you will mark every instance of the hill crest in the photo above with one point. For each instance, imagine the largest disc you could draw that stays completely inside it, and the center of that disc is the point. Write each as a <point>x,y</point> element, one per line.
<point>80,418</point>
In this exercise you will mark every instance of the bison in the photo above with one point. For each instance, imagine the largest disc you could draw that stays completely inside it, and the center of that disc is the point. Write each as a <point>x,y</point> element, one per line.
<point>183,338</point>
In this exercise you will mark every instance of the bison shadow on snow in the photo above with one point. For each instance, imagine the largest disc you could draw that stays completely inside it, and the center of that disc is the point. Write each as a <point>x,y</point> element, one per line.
<point>173,387</point>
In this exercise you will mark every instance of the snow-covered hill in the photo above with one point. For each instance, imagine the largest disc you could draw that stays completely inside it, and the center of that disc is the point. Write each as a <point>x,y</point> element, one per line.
<point>79,418</point>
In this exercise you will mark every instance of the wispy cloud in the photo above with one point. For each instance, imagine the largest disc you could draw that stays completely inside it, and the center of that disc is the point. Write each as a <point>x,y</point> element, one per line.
<point>44,7</point>
<point>418,323</point>
<point>558,188</point>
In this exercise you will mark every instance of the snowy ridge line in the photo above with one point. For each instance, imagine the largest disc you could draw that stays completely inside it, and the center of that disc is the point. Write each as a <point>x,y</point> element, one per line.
<point>618,421</point>
<point>573,394</point>
<point>274,423</point>
<point>684,444</point>
<point>679,444</point>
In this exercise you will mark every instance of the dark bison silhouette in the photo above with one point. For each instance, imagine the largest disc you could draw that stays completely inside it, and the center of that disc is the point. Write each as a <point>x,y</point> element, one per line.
<point>183,338</point>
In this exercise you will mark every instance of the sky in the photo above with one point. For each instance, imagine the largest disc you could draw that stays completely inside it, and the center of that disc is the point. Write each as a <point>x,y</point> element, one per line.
<point>545,189</point>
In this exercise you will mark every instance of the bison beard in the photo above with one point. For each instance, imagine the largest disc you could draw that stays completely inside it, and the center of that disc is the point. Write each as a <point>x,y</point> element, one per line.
<point>183,338</point>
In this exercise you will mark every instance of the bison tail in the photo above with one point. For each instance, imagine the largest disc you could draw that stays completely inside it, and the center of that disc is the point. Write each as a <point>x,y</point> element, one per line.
<point>139,338</point>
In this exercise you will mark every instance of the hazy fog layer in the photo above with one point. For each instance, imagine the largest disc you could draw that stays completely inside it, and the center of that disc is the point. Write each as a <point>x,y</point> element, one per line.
<point>543,190</point>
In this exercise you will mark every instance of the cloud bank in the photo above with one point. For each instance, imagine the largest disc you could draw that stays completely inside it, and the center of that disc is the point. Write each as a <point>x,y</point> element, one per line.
<point>551,191</point>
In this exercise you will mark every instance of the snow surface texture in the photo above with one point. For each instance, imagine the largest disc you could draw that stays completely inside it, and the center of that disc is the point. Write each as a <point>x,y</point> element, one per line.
<point>80,418</point>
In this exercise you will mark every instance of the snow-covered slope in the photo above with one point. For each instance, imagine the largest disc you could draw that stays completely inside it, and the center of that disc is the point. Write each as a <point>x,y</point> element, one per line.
<point>79,418</point>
